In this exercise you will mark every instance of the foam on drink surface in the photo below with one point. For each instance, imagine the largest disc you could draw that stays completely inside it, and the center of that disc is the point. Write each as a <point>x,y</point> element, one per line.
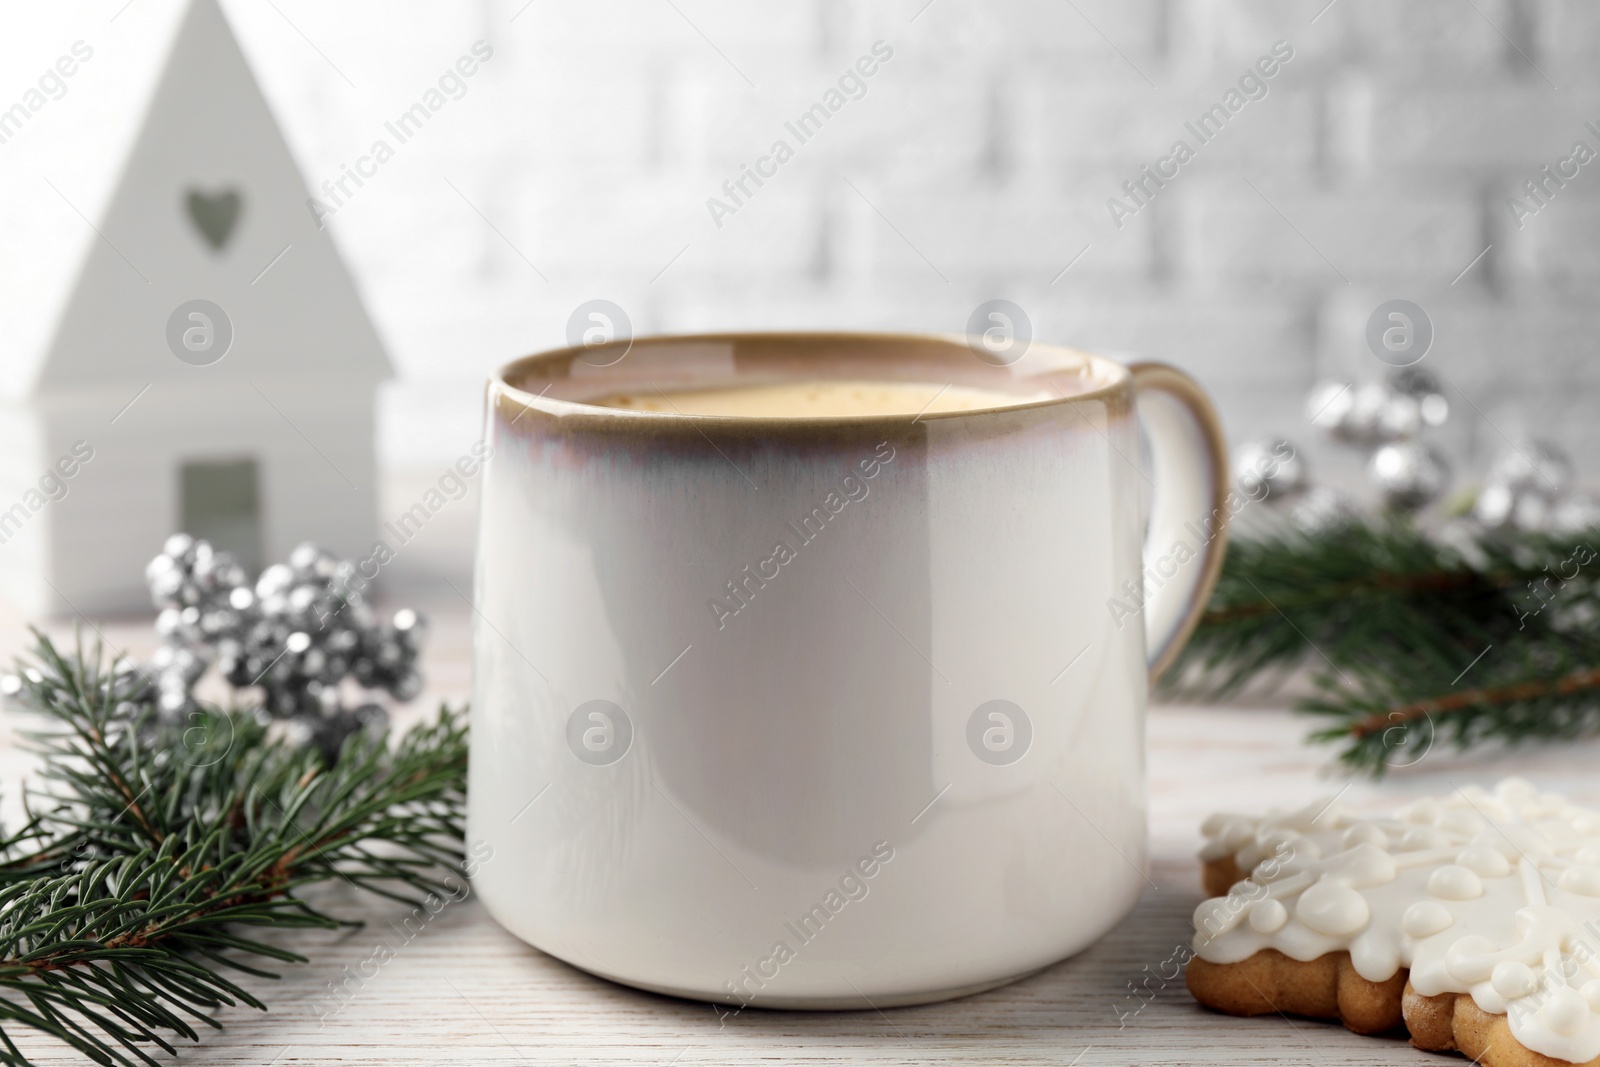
<point>822,398</point>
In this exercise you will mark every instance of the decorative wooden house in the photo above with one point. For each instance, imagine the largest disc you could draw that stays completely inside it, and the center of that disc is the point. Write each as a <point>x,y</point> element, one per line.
<point>181,346</point>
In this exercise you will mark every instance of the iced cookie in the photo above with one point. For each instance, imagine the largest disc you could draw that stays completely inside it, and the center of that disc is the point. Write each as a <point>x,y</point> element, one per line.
<point>1472,919</point>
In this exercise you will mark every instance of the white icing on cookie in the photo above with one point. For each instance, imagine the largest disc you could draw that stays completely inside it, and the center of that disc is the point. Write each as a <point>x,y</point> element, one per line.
<point>1492,894</point>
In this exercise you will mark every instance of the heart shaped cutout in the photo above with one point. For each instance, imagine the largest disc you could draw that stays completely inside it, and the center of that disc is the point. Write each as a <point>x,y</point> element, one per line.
<point>215,214</point>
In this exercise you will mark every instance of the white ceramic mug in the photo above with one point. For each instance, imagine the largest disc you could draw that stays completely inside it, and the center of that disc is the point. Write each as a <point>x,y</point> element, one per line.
<point>827,712</point>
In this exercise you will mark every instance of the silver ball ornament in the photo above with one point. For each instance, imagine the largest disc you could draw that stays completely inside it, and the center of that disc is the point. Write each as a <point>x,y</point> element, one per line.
<point>274,581</point>
<point>1350,413</point>
<point>1422,386</point>
<point>177,546</point>
<point>1537,466</point>
<point>1494,506</point>
<point>1500,506</point>
<point>1408,475</point>
<point>1329,404</point>
<point>1400,419</point>
<point>1265,468</point>
<point>1364,425</point>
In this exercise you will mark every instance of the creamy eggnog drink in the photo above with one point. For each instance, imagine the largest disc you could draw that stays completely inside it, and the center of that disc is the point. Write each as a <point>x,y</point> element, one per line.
<point>822,398</point>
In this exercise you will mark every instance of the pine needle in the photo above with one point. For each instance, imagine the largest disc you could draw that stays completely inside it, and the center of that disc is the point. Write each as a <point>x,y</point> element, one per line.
<point>1415,642</point>
<point>149,849</point>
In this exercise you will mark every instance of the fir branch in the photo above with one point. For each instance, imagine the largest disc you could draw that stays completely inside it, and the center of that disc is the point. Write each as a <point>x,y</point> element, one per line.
<point>1541,687</point>
<point>1419,642</point>
<point>126,893</point>
<point>1519,692</point>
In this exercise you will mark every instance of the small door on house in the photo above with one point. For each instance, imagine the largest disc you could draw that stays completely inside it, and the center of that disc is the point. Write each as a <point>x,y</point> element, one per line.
<point>221,502</point>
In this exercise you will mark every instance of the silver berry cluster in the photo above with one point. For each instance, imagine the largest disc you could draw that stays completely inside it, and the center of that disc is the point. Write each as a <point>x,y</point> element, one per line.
<point>1388,418</point>
<point>297,635</point>
<point>1530,488</point>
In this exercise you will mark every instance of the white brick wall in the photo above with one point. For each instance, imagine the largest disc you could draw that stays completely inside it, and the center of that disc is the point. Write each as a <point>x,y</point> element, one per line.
<point>991,142</point>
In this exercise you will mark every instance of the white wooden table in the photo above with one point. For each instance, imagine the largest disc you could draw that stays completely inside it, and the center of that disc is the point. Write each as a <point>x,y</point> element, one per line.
<point>463,991</point>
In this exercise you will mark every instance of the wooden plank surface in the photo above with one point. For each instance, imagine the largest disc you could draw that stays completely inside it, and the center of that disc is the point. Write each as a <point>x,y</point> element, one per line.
<point>463,991</point>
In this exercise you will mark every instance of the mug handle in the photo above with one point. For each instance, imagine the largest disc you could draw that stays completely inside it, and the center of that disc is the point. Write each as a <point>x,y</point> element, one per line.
<point>1190,460</point>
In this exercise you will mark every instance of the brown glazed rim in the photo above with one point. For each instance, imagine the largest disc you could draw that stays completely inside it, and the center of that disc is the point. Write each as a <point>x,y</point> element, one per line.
<point>1116,390</point>
<point>1176,382</point>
